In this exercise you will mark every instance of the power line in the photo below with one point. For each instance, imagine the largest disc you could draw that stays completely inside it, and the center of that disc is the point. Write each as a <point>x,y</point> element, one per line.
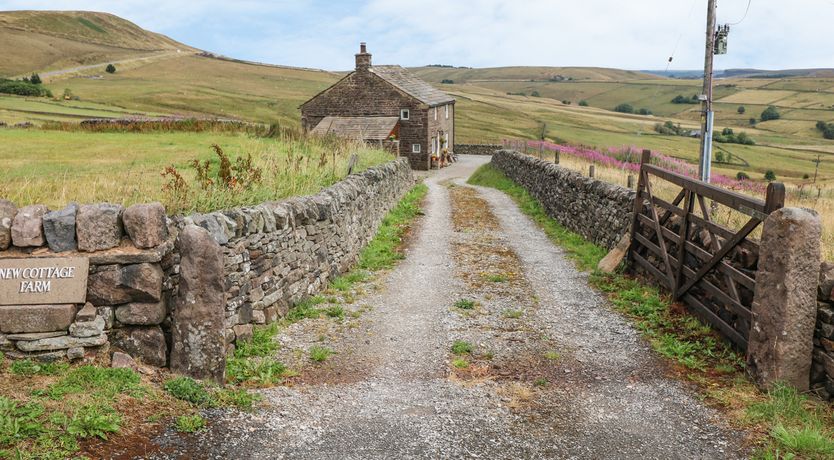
<point>743,17</point>
<point>680,35</point>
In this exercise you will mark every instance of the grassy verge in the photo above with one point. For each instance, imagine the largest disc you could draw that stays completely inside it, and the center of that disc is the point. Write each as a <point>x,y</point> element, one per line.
<point>788,425</point>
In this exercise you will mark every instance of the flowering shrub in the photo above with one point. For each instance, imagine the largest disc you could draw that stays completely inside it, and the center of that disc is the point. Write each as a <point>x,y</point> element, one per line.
<point>627,158</point>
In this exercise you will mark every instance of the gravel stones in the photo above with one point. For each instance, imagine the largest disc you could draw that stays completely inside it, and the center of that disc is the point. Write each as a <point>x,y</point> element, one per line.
<point>99,226</point>
<point>146,224</point>
<point>114,285</point>
<point>198,337</point>
<point>35,318</point>
<point>59,229</point>
<point>7,212</point>
<point>27,226</point>
<point>145,343</point>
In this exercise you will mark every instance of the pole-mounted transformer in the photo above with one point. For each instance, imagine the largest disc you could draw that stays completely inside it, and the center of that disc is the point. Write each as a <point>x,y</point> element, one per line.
<point>720,44</point>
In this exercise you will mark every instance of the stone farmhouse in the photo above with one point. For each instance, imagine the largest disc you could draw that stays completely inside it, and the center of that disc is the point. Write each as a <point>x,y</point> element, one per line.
<point>388,106</point>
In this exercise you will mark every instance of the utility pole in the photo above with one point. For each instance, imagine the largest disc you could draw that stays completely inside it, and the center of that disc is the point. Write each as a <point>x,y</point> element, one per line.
<point>707,116</point>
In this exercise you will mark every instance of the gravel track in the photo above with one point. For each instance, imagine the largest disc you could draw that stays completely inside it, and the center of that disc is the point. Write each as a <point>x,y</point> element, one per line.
<point>391,391</point>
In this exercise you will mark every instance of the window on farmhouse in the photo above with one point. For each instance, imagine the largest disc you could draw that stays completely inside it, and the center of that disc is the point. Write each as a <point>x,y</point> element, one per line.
<point>404,114</point>
<point>415,148</point>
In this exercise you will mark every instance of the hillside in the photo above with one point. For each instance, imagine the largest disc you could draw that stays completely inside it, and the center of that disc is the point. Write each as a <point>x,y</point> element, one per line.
<point>436,74</point>
<point>37,41</point>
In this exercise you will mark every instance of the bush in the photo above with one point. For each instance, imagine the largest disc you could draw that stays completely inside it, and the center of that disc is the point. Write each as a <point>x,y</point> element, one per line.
<point>446,81</point>
<point>741,175</point>
<point>535,94</point>
<point>769,175</point>
<point>110,68</point>
<point>827,129</point>
<point>624,108</point>
<point>583,103</point>
<point>645,111</point>
<point>752,122</point>
<point>681,99</point>
<point>770,113</point>
<point>23,88</point>
<point>741,109</point>
<point>35,79</point>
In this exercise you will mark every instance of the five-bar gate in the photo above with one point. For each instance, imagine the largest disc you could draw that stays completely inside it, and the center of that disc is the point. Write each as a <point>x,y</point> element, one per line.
<point>709,266</point>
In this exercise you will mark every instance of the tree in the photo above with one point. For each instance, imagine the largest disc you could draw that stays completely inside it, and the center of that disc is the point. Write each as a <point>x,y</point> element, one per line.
<point>741,110</point>
<point>741,175</point>
<point>110,68</point>
<point>447,81</point>
<point>769,175</point>
<point>645,111</point>
<point>727,131</point>
<point>583,103</point>
<point>719,157</point>
<point>35,79</point>
<point>770,113</point>
<point>535,93</point>
<point>752,122</point>
<point>624,108</point>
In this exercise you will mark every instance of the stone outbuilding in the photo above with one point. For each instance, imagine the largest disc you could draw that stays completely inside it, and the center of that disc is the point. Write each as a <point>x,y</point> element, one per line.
<point>385,105</point>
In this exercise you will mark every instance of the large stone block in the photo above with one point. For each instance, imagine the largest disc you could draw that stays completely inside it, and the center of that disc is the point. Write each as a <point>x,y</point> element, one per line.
<point>784,306</point>
<point>123,284</point>
<point>7,212</point>
<point>87,328</point>
<point>62,343</point>
<point>59,229</point>
<point>99,226</point>
<point>145,343</point>
<point>198,339</point>
<point>146,314</point>
<point>27,226</point>
<point>146,225</point>
<point>36,318</point>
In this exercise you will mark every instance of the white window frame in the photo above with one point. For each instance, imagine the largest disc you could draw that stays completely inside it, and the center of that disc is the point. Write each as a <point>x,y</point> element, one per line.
<point>415,148</point>
<point>435,113</point>
<point>447,111</point>
<point>405,114</point>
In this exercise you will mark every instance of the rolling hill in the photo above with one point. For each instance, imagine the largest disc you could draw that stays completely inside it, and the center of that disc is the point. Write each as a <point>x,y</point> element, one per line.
<point>38,41</point>
<point>157,75</point>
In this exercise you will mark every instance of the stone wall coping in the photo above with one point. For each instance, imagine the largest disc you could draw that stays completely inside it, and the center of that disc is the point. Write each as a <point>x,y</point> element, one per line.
<point>126,253</point>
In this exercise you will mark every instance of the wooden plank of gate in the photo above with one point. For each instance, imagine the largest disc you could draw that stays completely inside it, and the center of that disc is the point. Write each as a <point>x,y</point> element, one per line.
<point>726,197</point>
<point>748,227</point>
<point>637,210</point>
<point>684,237</point>
<point>708,315</point>
<point>660,239</point>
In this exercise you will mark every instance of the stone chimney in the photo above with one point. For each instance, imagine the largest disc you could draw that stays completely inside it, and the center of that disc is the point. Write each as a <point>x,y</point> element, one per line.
<point>363,59</point>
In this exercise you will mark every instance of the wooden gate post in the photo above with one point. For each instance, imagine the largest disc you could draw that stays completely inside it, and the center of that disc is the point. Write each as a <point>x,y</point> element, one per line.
<point>645,158</point>
<point>591,171</point>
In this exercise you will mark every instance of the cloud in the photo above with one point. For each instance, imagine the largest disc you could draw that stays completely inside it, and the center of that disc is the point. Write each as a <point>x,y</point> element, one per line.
<point>638,34</point>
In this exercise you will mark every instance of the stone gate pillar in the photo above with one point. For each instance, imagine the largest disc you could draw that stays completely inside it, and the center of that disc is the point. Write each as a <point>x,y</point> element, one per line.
<point>784,304</point>
<point>198,347</point>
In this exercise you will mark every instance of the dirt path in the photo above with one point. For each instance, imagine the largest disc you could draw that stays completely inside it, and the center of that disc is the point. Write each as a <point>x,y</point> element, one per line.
<point>551,372</point>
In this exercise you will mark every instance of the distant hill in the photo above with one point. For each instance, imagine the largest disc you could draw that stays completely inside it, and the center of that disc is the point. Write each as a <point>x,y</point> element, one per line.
<point>437,74</point>
<point>35,41</point>
<point>745,73</point>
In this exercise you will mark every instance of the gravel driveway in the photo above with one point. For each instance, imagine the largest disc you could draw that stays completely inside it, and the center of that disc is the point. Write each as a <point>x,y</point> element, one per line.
<point>552,371</point>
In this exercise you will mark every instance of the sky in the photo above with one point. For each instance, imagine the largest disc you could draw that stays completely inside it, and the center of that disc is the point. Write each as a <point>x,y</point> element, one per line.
<point>628,34</point>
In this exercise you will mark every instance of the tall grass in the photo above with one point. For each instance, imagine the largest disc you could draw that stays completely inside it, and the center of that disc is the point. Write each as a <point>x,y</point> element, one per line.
<point>128,168</point>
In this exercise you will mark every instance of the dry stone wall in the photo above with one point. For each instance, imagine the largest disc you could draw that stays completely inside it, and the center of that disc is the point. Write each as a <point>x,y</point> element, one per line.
<point>822,368</point>
<point>273,254</point>
<point>599,211</point>
<point>477,149</point>
<point>277,253</point>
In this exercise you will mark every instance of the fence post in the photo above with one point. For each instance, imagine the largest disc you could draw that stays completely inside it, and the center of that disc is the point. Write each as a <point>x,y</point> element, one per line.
<point>556,157</point>
<point>526,147</point>
<point>630,181</point>
<point>591,171</point>
<point>784,307</point>
<point>645,158</point>
<point>541,150</point>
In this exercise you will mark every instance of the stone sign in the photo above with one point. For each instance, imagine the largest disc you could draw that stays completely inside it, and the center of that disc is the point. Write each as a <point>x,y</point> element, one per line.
<point>36,281</point>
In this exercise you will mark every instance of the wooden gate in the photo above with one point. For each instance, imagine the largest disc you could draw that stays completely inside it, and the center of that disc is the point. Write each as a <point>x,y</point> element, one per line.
<point>709,266</point>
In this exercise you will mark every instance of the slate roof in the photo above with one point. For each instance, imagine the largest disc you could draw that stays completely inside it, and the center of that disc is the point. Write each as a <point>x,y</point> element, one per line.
<point>362,128</point>
<point>412,85</point>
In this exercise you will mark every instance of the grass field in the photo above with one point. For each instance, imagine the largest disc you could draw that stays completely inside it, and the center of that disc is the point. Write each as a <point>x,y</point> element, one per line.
<point>55,168</point>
